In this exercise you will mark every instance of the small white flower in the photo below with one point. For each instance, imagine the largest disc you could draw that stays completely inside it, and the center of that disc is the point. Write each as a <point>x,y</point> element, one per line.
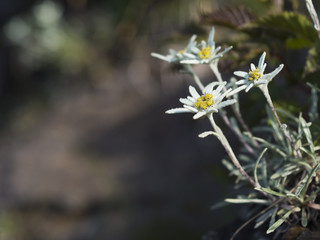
<point>210,101</point>
<point>205,53</point>
<point>177,56</point>
<point>256,76</point>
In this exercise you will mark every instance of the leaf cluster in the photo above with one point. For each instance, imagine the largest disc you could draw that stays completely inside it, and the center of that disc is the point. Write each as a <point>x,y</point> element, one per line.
<point>281,34</point>
<point>288,184</point>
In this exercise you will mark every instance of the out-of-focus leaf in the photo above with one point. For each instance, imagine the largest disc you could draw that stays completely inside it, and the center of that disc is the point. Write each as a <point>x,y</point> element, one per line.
<point>273,147</point>
<point>285,171</point>
<point>312,66</point>
<point>307,133</point>
<point>313,112</point>
<point>296,43</point>
<point>290,27</point>
<point>304,220</point>
<point>312,196</point>
<point>315,131</point>
<point>260,220</point>
<point>268,190</point>
<point>229,16</point>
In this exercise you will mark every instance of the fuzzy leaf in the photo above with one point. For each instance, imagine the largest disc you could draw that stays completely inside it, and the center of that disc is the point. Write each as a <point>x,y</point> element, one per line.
<point>247,200</point>
<point>313,112</point>
<point>312,66</point>
<point>260,220</point>
<point>280,221</point>
<point>268,190</point>
<point>302,189</point>
<point>206,134</point>
<point>256,166</point>
<point>275,148</point>
<point>307,133</point>
<point>304,221</point>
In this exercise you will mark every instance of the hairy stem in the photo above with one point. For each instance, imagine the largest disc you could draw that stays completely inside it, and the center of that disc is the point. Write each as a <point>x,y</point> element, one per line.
<point>282,128</point>
<point>245,144</point>
<point>229,151</point>
<point>194,76</point>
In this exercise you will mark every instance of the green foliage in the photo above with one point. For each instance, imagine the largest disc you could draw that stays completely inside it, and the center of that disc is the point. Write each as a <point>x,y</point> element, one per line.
<point>290,28</point>
<point>293,184</point>
<point>281,161</point>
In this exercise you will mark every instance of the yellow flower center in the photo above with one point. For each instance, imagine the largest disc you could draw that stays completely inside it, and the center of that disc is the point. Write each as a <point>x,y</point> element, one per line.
<point>254,75</point>
<point>204,53</point>
<point>182,51</point>
<point>204,101</point>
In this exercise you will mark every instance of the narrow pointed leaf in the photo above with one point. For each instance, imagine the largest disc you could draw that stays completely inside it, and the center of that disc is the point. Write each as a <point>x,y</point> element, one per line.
<point>279,221</point>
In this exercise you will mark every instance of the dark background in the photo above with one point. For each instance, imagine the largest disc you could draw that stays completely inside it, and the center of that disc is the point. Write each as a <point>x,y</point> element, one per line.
<point>86,150</point>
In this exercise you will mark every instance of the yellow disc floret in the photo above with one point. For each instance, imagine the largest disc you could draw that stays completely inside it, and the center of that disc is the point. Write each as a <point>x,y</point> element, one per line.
<point>182,51</point>
<point>204,101</point>
<point>254,75</point>
<point>208,96</point>
<point>204,53</point>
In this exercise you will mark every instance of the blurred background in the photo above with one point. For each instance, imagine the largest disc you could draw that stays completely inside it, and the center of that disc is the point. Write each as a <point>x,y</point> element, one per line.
<point>86,150</point>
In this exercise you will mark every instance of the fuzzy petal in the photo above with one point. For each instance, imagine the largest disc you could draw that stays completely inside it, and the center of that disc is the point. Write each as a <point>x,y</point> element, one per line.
<point>191,61</point>
<point>189,55</point>
<point>253,67</point>
<point>249,87</point>
<point>199,115</point>
<point>235,91</point>
<point>191,42</point>
<point>203,44</point>
<point>191,109</point>
<point>227,49</point>
<point>263,68</point>
<point>215,51</point>
<point>219,88</point>
<point>209,87</point>
<point>271,75</point>
<point>241,74</point>
<point>240,82</point>
<point>224,94</point>
<point>186,101</point>
<point>262,81</point>
<point>162,57</point>
<point>193,92</point>
<point>226,103</point>
<point>191,99</point>
<point>177,110</point>
<point>211,37</point>
<point>261,60</point>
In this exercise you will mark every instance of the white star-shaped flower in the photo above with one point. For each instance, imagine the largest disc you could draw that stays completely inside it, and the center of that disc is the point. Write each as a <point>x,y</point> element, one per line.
<point>205,52</point>
<point>210,101</point>
<point>256,76</point>
<point>177,56</point>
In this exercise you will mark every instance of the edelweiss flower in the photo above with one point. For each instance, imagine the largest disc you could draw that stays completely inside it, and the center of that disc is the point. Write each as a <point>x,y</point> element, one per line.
<point>256,76</point>
<point>205,53</point>
<point>209,102</point>
<point>177,56</point>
